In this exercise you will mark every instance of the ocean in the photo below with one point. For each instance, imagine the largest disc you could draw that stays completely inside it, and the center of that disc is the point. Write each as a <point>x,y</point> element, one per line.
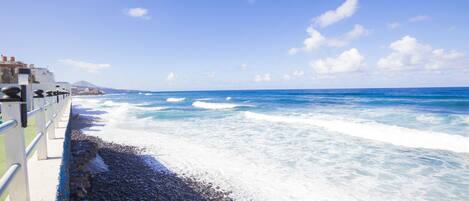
<point>334,144</point>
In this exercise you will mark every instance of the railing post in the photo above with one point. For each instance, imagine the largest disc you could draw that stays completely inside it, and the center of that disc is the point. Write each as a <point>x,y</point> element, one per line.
<point>62,102</point>
<point>15,145</point>
<point>50,115</point>
<point>41,124</point>
<point>57,108</point>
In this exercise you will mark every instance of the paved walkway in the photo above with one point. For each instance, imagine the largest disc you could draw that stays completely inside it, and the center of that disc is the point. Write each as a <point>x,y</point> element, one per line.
<point>44,174</point>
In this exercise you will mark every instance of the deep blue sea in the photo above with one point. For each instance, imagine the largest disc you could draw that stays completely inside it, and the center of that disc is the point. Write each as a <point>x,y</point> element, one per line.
<point>335,144</point>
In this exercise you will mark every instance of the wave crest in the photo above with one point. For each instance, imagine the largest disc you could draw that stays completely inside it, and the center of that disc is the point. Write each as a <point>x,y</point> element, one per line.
<point>377,131</point>
<point>174,100</point>
<point>214,106</point>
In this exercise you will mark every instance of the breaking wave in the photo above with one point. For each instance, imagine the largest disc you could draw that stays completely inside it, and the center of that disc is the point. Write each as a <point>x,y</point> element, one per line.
<point>376,131</point>
<point>175,100</point>
<point>153,108</point>
<point>214,106</point>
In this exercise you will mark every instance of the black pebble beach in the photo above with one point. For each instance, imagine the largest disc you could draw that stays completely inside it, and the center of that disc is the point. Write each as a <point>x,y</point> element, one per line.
<point>129,177</point>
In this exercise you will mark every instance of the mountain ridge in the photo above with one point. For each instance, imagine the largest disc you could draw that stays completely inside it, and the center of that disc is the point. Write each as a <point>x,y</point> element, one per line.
<point>83,83</point>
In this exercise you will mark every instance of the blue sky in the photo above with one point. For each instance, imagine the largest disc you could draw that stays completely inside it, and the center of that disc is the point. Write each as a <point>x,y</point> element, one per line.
<point>242,44</point>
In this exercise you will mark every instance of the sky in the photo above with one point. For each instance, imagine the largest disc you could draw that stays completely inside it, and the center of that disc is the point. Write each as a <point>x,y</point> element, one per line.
<point>242,44</point>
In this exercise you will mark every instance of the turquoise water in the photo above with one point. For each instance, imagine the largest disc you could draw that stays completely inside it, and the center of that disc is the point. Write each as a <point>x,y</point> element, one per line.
<point>353,144</point>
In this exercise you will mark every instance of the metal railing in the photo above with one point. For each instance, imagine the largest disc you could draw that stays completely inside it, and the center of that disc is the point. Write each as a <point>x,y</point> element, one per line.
<point>8,177</point>
<point>48,110</point>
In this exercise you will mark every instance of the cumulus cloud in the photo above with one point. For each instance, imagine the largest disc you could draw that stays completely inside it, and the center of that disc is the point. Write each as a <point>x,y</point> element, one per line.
<point>394,25</point>
<point>138,13</point>
<point>262,78</point>
<point>87,66</point>
<point>171,77</point>
<point>356,32</point>
<point>419,18</point>
<point>348,61</point>
<point>408,54</point>
<point>316,40</point>
<point>344,11</point>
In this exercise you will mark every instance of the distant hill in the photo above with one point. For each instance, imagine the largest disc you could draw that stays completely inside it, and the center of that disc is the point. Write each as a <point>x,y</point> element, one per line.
<point>84,84</point>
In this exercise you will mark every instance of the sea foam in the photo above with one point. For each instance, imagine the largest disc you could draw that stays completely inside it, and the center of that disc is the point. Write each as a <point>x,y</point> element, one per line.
<point>213,106</point>
<point>271,157</point>
<point>175,100</point>
<point>376,131</point>
<point>248,180</point>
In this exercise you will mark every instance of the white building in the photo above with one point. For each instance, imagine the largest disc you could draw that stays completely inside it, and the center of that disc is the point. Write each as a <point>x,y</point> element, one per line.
<point>42,75</point>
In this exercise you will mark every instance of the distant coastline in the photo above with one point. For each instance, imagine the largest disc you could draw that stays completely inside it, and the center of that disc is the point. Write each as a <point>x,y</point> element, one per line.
<point>109,90</point>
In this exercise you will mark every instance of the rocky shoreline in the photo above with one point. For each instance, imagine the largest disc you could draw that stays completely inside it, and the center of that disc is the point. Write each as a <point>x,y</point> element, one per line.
<point>101,170</point>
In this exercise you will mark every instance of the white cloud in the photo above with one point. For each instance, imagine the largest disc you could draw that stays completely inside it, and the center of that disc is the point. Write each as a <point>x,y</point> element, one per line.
<point>262,78</point>
<point>357,32</point>
<point>317,40</point>
<point>419,18</point>
<point>138,13</point>
<point>89,67</point>
<point>408,54</point>
<point>314,41</point>
<point>171,76</point>
<point>345,10</point>
<point>394,25</point>
<point>348,61</point>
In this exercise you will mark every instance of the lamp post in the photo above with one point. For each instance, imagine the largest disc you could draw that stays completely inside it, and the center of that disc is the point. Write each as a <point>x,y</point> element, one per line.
<point>23,81</point>
<point>57,92</point>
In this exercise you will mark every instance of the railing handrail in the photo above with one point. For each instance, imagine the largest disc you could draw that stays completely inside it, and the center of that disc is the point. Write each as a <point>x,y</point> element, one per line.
<point>33,112</point>
<point>32,145</point>
<point>15,180</point>
<point>47,104</point>
<point>8,176</point>
<point>7,125</point>
<point>48,124</point>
